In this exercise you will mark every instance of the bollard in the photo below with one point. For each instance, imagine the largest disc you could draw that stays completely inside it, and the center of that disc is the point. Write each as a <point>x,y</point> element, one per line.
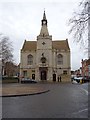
<point>81,81</point>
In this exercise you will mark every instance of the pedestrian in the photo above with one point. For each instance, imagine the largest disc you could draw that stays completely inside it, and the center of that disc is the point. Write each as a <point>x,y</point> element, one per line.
<point>60,78</point>
<point>18,79</point>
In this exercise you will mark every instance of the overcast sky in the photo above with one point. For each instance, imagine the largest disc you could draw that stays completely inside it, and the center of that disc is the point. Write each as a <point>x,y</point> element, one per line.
<point>21,19</point>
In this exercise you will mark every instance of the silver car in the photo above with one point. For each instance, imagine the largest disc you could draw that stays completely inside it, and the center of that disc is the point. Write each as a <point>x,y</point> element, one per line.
<point>28,80</point>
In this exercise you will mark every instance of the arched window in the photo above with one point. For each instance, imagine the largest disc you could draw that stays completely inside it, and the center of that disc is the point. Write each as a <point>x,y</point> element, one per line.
<point>60,59</point>
<point>30,59</point>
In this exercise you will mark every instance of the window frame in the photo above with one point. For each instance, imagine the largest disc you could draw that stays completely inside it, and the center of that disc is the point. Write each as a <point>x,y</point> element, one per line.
<point>59,59</point>
<point>65,72</point>
<point>30,59</point>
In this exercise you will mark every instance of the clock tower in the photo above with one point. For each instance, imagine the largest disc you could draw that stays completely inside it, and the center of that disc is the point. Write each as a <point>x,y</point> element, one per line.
<point>44,52</point>
<point>44,40</point>
<point>44,28</point>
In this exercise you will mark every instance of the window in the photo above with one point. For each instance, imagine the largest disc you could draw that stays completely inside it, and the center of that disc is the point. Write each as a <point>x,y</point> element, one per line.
<point>60,59</point>
<point>65,72</point>
<point>25,73</point>
<point>30,59</point>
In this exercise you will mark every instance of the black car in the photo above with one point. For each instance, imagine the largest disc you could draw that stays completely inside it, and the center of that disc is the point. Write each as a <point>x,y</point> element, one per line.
<point>28,80</point>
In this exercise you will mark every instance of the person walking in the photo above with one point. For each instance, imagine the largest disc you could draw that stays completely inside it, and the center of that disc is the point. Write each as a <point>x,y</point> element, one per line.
<point>60,78</point>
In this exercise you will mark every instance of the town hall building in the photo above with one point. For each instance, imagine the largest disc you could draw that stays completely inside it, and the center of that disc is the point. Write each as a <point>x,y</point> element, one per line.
<point>45,59</point>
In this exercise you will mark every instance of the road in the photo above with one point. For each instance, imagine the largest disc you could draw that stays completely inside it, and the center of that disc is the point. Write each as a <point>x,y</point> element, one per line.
<point>64,100</point>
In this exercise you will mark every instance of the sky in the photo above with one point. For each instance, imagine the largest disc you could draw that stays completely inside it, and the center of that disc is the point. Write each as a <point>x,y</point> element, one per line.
<point>21,19</point>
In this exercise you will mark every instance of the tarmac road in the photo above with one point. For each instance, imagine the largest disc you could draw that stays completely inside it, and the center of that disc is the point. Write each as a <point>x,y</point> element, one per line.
<point>64,100</point>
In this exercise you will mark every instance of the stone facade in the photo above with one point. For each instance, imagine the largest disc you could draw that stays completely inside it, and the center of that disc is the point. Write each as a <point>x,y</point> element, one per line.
<point>45,59</point>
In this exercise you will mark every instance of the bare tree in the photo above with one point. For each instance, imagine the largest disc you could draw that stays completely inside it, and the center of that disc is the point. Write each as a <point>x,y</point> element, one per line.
<point>6,50</point>
<point>80,24</point>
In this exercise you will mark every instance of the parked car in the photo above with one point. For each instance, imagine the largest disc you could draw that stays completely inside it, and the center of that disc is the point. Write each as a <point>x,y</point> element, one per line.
<point>72,77</point>
<point>77,79</point>
<point>28,80</point>
<point>74,82</point>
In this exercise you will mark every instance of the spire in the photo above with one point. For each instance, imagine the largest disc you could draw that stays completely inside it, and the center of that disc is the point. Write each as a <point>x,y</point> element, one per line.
<point>44,20</point>
<point>44,16</point>
<point>44,29</point>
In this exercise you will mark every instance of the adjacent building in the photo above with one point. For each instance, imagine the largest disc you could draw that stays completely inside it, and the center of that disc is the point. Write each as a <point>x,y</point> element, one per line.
<point>86,67</point>
<point>44,58</point>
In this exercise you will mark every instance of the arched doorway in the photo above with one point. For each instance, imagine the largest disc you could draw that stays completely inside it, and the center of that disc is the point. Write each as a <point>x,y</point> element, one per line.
<point>33,76</point>
<point>43,75</point>
<point>54,77</point>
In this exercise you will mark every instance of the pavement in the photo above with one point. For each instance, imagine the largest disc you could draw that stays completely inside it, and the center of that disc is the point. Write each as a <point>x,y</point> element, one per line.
<point>18,89</point>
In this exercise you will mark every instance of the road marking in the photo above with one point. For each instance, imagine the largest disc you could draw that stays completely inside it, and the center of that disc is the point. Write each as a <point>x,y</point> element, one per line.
<point>80,111</point>
<point>85,91</point>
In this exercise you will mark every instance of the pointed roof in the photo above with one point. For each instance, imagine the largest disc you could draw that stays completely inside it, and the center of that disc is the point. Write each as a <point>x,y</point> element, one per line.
<point>44,15</point>
<point>44,29</point>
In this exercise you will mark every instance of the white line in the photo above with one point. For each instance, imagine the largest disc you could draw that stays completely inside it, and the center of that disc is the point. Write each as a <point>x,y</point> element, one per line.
<point>85,91</point>
<point>80,111</point>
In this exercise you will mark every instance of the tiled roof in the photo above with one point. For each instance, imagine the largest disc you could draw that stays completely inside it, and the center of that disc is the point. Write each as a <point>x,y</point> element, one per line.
<point>29,45</point>
<point>61,45</point>
<point>32,45</point>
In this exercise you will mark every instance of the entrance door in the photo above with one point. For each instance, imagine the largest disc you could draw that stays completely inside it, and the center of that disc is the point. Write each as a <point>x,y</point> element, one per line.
<point>43,75</point>
<point>54,77</point>
<point>33,76</point>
